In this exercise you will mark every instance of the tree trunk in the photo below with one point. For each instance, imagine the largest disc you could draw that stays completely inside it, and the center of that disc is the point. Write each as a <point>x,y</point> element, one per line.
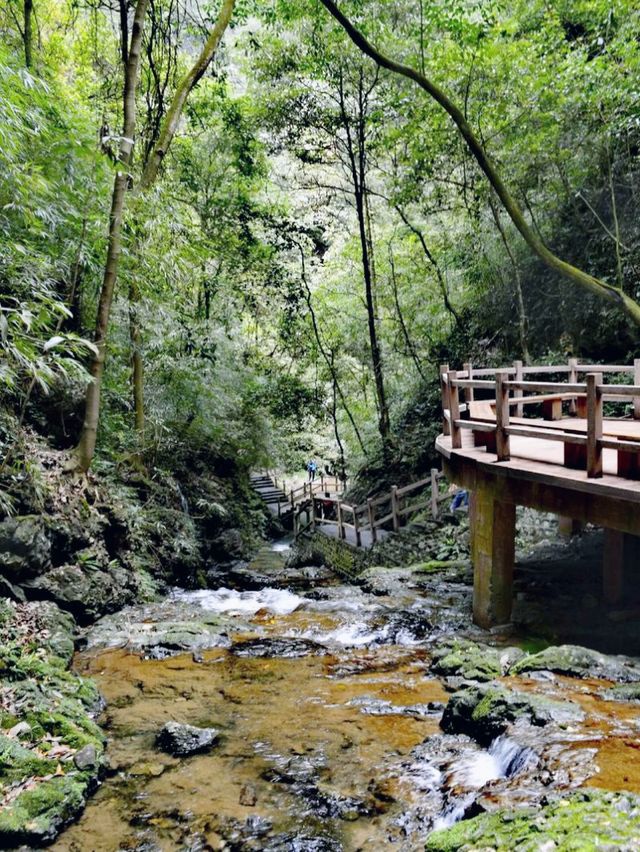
<point>357,153</point>
<point>523,323</point>
<point>27,36</point>
<point>577,276</point>
<point>87,445</point>
<point>328,358</point>
<point>137,366</point>
<point>405,331</point>
<point>186,85</point>
<point>149,176</point>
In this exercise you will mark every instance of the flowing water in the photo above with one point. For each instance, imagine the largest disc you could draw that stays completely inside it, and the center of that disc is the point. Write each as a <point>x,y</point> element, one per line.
<point>329,719</point>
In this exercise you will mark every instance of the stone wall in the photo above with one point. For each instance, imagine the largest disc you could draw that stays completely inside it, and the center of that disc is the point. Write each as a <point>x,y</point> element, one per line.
<point>344,558</point>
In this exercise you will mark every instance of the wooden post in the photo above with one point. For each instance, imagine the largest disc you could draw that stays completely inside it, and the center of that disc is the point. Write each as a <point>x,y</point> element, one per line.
<point>313,513</point>
<point>636,381</point>
<point>518,393</point>
<point>594,425</point>
<point>435,493</point>
<point>454,410</point>
<point>394,508</point>
<point>372,520</point>
<point>502,416</point>
<point>293,502</point>
<point>493,557</point>
<point>357,529</point>
<point>573,379</point>
<point>568,527</point>
<point>341,530</point>
<point>468,392</point>
<point>322,482</point>
<point>444,390</point>
<point>295,525</point>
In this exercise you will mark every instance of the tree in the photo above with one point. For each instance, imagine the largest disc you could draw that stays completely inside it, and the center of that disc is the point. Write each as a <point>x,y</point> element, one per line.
<point>612,293</point>
<point>86,446</point>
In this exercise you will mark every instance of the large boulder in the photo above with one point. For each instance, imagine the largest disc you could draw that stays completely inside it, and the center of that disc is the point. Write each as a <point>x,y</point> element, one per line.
<point>85,590</point>
<point>576,661</point>
<point>485,712</point>
<point>183,740</point>
<point>25,549</point>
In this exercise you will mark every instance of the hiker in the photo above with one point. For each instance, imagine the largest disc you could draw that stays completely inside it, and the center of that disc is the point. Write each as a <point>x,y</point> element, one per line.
<point>460,501</point>
<point>312,468</point>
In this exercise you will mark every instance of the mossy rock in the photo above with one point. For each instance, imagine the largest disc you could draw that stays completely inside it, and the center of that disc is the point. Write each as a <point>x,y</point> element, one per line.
<point>576,661</point>
<point>581,823</point>
<point>466,659</point>
<point>623,692</point>
<point>485,712</point>
<point>38,815</point>
<point>18,762</point>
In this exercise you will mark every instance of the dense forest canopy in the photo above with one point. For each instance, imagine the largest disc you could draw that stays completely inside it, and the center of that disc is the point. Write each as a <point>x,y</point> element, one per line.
<point>253,226</point>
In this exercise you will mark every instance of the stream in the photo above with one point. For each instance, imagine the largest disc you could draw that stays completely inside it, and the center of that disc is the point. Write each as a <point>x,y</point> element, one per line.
<point>329,717</point>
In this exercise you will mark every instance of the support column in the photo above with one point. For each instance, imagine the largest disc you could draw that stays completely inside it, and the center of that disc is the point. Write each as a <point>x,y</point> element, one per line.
<point>621,564</point>
<point>568,527</point>
<point>494,527</point>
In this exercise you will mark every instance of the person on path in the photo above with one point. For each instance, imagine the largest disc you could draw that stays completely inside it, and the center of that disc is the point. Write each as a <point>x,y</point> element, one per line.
<point>312,468</point>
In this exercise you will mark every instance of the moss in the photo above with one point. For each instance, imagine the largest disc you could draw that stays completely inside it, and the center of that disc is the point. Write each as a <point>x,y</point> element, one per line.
<point>38,815</point>
<point>585,821</point>
<point>18,762</point>
<point>623,692</point>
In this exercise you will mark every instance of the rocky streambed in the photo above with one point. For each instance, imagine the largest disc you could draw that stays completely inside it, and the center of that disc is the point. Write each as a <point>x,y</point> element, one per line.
<point>285,710</point>
<point>288,711</point>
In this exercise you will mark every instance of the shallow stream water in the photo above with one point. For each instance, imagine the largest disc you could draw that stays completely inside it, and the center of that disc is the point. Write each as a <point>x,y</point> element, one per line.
<point>328,715</point>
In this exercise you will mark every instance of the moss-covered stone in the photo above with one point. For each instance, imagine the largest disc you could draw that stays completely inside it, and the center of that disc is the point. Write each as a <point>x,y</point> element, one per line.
<point>38,815</point>
<point>623,692</point>
<point>576,661</point>
<point>485,712</point>
<point>582,823</point>
<point>462,658</point>
<point>45,724</point>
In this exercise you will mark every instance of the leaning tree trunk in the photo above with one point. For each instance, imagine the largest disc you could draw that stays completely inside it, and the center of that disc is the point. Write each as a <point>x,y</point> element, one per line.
<point>593,285</point>
<point>87,444</point>
<point>149,176</point>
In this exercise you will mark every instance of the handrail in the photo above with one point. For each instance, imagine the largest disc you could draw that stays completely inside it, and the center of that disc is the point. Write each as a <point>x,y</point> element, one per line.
<point>586,398</point>
<point>364,515</point>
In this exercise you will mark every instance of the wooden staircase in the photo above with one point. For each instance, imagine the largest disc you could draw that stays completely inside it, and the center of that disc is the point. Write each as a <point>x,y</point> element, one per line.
<point>270,491</point>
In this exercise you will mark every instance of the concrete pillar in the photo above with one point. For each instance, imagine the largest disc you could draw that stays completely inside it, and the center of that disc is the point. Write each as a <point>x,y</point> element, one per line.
<point>568,527</point>
<point>494,527</point>
<point>621,562</point>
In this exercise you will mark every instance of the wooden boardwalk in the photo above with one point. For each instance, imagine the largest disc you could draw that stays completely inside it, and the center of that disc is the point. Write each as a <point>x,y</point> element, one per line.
<point>572,460</point>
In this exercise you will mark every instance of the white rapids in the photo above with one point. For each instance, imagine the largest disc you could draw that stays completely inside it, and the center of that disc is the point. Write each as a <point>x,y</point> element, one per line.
<point>232,602</point>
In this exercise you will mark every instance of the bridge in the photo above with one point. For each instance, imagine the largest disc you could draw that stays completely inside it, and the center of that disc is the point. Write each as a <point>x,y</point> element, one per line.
<point>557,438</point>
<point>320,506</point>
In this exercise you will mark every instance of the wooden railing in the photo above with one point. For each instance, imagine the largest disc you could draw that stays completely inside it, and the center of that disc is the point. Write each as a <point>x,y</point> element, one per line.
<point>294,496</point>
<point>391,510</point>
<point>585,434</point>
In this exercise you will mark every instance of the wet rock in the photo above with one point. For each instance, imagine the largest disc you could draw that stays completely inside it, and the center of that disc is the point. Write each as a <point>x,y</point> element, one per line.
<point>84,589</point>
<point>183,740</point>
<point>580,662</point>
<point>623,692</point>
<point>462,658</point>
<point>86,758</point>
<point>302,843</point>
<point>485,712</point>
<point>278,647</point>
<point>586,820</point>
<point>406,626</point>
<point>248,796</point>
<point>379,707</point>
<point>25,549</point>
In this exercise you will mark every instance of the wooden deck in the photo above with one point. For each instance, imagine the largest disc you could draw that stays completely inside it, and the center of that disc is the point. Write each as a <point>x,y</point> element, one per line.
<point>572,461</point>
